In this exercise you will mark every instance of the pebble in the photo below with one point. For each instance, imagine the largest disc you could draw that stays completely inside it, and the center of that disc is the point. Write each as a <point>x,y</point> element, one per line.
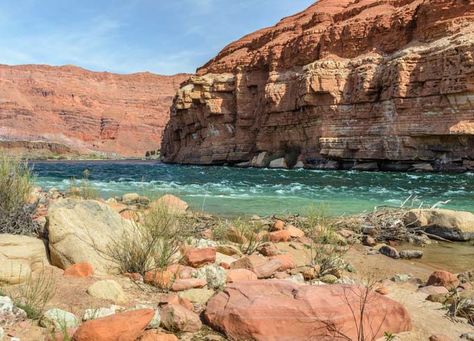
<point>411,254</point>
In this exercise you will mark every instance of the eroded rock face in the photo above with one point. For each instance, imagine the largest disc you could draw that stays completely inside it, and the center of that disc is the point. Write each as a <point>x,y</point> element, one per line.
<point>372,81</point>
<point>282,310</point>
<point>68,110</point>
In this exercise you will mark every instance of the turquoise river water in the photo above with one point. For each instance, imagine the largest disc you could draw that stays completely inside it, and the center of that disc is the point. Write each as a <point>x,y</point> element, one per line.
<point>233,191</point>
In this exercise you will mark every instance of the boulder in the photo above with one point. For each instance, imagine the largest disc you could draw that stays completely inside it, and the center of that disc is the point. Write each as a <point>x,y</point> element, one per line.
<point>411,254</point>
<point>282,310</point>
<point>448,224</point>
<point>162,279</point>
<point>172,203</point>
<point>295,232</point>
<point>20,256</point>
<point>214,275</point>
<point>200,296</point>
<point>279,236</point>
<point>80,231</point>
<point>177,318</point>
<point>124,326</point>
<point>93,314</point>
<point>278,163</point>
<point>199,257</point>
<point>268,269</point>
<point>130,198</point>
<point>175,299</point>
<point>79,270</point>
<point>107,290</point>
<point>286,260</point>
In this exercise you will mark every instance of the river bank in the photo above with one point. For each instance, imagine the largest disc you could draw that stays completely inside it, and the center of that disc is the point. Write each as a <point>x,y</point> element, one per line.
<point>217,256</point>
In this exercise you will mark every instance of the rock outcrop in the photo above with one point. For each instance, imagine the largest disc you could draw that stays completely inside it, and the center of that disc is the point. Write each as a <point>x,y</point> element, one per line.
<point>48,110</point>
<point>369,84</point>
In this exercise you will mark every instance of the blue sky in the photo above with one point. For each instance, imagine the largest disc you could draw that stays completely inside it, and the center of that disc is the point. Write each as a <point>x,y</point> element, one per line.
<point>161,36</point>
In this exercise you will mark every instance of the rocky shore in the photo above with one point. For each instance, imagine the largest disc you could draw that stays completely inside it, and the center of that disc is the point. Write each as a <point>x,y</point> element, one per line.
<point>273,278</point>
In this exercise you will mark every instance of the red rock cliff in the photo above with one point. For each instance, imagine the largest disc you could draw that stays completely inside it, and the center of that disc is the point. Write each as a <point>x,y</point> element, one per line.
<point>43,107</point>
<point>344,83</point>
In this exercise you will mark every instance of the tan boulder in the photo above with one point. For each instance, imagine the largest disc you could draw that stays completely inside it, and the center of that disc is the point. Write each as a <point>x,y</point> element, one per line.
<point>20,256</point>
<point>107,290</point>
<point>449,224</point>
<point>240,275</point>
<point>80,231</point>
<point>281,310</point>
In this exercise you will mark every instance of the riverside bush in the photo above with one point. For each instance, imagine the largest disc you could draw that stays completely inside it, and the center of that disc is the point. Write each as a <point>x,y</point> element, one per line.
<point>150,244</point>
<point>16,214</point>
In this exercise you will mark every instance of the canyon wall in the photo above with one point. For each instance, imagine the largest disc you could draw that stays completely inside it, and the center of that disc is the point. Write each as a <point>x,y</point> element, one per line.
<point>344,84</point>
<point>67,110</point>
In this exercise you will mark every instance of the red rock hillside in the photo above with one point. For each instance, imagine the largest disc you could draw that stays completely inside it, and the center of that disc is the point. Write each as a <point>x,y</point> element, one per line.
<point>69,110</point>
<point>344,84</point>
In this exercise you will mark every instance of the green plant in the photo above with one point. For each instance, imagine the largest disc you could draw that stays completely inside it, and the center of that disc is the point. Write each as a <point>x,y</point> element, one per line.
<point>16,182</point>
<point>389,336</point>
<point>250,234</point>
<point>34,294</point>
<point>84,189</point>
<point>150,244</point>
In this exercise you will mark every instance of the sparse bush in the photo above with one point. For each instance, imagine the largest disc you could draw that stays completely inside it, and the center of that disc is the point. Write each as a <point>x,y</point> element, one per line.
<point>459,306</point>
<point>16,215</point>
<point>83,189</point>
<point>34,294</point>
<point>250,233</point>
<point>149,245</point>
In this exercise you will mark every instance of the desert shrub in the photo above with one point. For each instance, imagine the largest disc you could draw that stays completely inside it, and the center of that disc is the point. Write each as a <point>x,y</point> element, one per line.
<point>83,188</point>
<point>150,244</point>
<point>250,233</point>
<point>460,306</point>
<point>16,215</point>
<point>34,294</point>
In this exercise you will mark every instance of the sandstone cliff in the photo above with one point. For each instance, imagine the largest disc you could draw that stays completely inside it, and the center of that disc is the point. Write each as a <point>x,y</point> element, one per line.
<point>367,84</point>
<point>68,110</point>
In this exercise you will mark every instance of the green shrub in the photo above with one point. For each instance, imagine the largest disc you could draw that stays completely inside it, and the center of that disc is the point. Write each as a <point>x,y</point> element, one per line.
<point>16,215</point>
<point>34,294</point>
<point>150,244</point>
<point>250,233</point>
<point>83,189</point>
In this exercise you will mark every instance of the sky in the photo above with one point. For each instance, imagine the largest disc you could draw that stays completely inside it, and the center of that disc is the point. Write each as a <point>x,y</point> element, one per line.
<point>126,36</point>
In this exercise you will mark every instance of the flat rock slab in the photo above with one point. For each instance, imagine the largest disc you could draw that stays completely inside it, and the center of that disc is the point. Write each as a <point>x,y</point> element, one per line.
<point>280,310</point>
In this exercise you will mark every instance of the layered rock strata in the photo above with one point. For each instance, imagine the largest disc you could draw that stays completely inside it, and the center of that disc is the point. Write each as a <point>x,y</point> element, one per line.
<point>48,110</point>
<point>344,84</point>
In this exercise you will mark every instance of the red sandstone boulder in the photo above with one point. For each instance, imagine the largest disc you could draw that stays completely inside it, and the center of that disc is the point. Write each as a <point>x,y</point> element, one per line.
<point>79,270</point>
<point>443,279</point>
<point>200,257</point>
<point>282,310</point>
<point>240,275</point>
<point>248,262</point>
<point>124,326</point>
<point>287,262</point>
<point>177,300</point>
<point>161,279</point>
<point>268,269</point>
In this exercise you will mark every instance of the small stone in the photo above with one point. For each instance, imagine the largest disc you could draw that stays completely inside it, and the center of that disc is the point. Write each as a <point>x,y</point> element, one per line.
<point>92,314</point>
<point>368,240</point>
<point>240,275</point>
<point>178,318</point>
<point>200,296</point>
<point>298,278</point>
<point>155,335</point>
<point>279,236</point>
<point>389,252</point>
<point>382,290</point>
<point>433,290</point>
<point>411,254</point>
<point>269,249</point>
<point>189,283</point>
<point>215,276</point>
<point>175,299</point>
<point>107,290</point>
<point>330,279</point>
<point>309,273</point>
<point>268,268</point>
<point>59,319</point>
<point>400,278</point>
<point>437,298</point>
<point>278,225</point>
<point>439,337</point>
<point>295,232</point>
<point>287,262</point>
<point>444,279</point>
<point>80,270</point>
<point>200,257</point>
<point>161,279</point>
